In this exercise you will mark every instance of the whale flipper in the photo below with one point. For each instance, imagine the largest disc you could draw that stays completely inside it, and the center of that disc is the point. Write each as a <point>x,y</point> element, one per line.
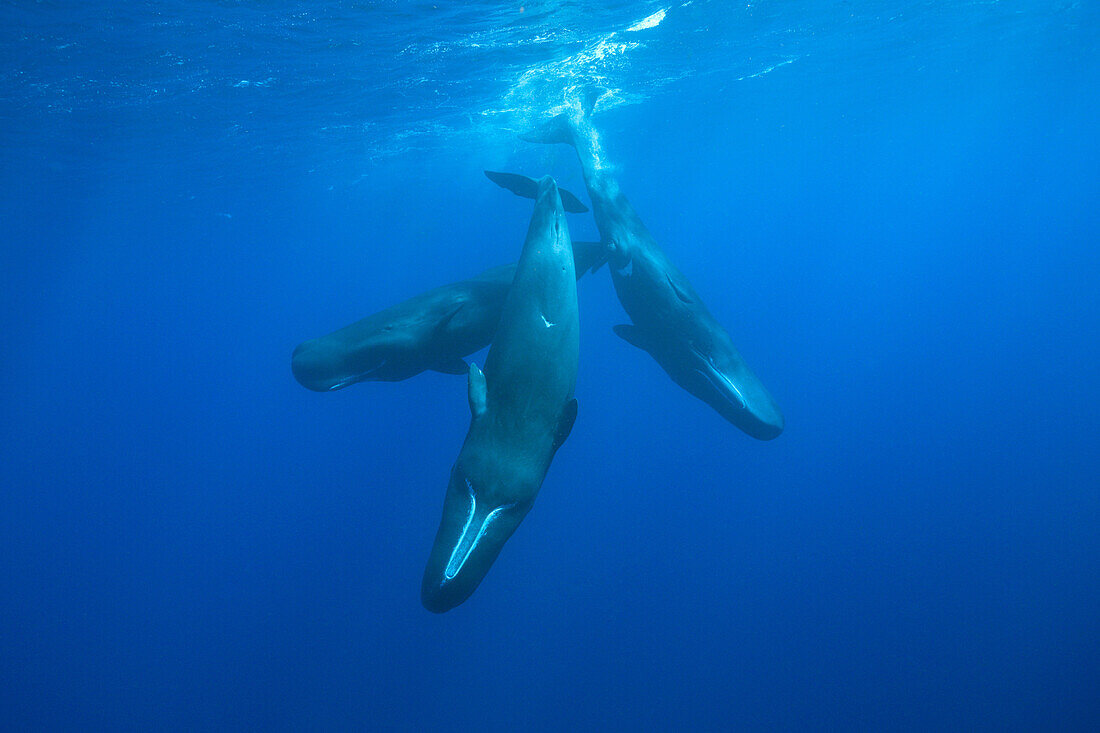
<point>441,324</point>
<point>448,365</point>
<point>634,336</point>
<point>476,391</point>
<point>528,188</point>
<point>565,423</point>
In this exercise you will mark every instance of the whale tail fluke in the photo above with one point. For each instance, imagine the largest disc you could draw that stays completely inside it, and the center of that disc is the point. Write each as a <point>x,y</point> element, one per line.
<point>573,128</point>
<point>591,96</point>
<point>563,128</point>
<point>556,130</point>
<point>528,188</point>
<point>588,257</point>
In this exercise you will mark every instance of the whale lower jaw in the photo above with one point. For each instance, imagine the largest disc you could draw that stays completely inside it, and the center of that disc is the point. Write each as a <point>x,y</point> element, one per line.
<point>725,387</point>
<point>721,382</point>
<point>472,533</point>
<point>737,409</point>
<point>301,366</point>
<point>355,379</point>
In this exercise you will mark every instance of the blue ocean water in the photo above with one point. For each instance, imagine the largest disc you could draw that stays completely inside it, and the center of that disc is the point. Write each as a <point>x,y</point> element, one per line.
<point>891,205</point>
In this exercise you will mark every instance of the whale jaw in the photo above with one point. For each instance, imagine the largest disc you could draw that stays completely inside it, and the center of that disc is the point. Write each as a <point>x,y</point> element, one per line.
<point>471,535</point>
<point>716,375</point>
<point>740,399</point>
<point>466,562</point>
<point>323,367</point>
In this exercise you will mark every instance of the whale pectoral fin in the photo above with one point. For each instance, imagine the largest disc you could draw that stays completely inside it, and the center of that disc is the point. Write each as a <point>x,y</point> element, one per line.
<point>450,366</point>
<point>565,422</point>
<point>680,293</point>
<point>632,335</point>
<point>476,391</point>
<point>528,188</point>
<point>443,322</point>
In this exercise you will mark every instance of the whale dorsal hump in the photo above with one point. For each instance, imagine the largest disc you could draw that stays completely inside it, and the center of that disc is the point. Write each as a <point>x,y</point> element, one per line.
<point>528,188</point>
<point>475,388</point>
<point>565,422</point>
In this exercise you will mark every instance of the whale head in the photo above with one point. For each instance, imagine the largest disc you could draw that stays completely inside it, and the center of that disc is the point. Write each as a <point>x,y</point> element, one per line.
<point>711,369</point>
<point>331,362</point>
<point>480,513</point>
<point>720,377</point>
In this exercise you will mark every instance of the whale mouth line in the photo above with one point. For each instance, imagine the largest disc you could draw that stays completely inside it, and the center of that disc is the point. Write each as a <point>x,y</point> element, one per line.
<point>468,541</point>
<point>722,383</point>
<point>341,384</point>
<point>373,369</point>
<point>358,377</point>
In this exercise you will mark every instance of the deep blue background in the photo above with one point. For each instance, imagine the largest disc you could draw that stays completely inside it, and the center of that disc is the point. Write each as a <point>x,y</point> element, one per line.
<point>903,244</point>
